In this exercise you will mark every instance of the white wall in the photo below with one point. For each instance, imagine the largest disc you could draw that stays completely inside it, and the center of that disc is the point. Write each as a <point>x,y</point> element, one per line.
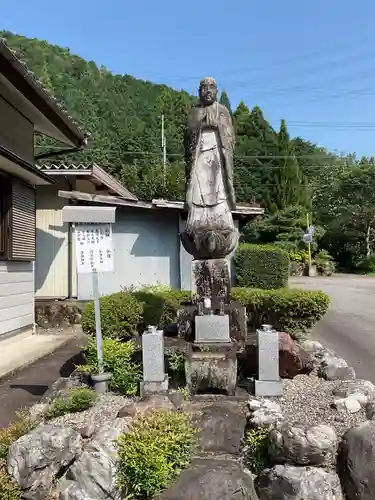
<point>16,295</point>
<point>52,245</point>
<point>146,252</point>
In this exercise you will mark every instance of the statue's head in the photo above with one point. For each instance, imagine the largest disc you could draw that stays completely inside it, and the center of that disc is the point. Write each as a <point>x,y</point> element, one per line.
<point>208,91</point>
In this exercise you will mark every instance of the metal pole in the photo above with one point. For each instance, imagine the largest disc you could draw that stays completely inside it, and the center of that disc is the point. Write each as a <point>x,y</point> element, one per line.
<point>164,148</point>
<point>98,325</point>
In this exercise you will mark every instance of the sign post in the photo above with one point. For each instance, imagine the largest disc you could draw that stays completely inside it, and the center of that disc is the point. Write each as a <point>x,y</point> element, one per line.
<point>94,255</point>
<point>308,238</point>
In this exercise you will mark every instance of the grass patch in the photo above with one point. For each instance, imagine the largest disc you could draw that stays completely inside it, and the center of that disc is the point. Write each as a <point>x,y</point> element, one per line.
<point>152,455</point>
<point>76,400</point>
<point>22,424</point>
<point>8,489</point>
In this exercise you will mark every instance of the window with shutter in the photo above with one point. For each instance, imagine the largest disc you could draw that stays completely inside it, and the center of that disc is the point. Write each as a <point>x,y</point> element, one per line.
<point>17,220</point>
<point>5,202</point>
<point>23,217</point>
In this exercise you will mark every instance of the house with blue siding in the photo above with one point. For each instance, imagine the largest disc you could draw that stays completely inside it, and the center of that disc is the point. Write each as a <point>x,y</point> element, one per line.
<point>146,241</point>
<point>26,109</point>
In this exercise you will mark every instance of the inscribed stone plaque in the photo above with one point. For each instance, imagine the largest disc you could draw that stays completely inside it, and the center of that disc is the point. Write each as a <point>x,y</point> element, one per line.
<point>268,352</point>
<point>153,356</point>
<point>212,328</point>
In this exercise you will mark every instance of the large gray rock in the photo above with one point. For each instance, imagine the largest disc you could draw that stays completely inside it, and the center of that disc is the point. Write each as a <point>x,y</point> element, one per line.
<point>264,413</point>
<point>210,479</point>
<point>222,429</point>
<point>36,459</point>
<point>333,368</point>
<point>362,390</point>
<point>356,462</point>
<point>286,482</point>
<point>93,475</point>
<point>302,444</point>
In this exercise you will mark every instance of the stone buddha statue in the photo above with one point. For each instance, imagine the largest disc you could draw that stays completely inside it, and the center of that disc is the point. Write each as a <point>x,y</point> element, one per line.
<point>210,197</point>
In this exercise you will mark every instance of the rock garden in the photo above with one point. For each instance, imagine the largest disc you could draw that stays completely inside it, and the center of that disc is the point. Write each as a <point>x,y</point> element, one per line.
<point>314,442</point>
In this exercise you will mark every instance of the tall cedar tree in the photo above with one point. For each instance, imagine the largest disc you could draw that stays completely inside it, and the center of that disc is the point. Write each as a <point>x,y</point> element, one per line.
<point>224,100</point>
<point>286,186</point>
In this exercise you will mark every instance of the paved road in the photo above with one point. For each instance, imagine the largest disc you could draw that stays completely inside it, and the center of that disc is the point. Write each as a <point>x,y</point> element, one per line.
<point>28,385</point>
<point>349,326</point>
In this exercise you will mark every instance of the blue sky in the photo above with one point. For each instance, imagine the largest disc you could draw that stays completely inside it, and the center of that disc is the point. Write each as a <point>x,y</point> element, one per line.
<point>310,62</point>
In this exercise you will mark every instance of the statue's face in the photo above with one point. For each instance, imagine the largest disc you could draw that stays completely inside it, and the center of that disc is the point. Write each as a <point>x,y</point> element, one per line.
<point>208,93</point>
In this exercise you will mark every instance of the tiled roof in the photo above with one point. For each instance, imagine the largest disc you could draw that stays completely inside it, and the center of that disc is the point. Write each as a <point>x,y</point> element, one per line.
<point>34,82</point>
<point>66,166</point>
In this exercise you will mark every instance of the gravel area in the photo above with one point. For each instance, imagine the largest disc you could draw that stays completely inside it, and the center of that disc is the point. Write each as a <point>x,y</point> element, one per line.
<point>308,398</point>
<point>105,410</point>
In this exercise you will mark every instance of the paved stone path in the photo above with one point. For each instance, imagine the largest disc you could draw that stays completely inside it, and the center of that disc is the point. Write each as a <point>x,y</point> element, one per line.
<point>26,387</point>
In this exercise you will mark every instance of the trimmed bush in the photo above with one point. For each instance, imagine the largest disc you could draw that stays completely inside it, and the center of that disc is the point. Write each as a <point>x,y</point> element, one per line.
<point>121,313</point>
<point>118,359</point>
<point>289,310</point>
<point>160,305</point>
<point>261,266</point>
<point>153,453</point>
<point>75,401</point>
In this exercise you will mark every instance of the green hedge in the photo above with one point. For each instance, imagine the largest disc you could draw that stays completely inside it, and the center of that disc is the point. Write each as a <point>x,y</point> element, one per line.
<point>290,310</point>
<point>160,305</point>
<point>125,314</point>
<point>261,266</point>
<point>120,316</point>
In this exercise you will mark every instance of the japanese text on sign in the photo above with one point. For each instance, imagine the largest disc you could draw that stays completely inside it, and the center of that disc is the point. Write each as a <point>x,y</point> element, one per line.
<point>94,248</point>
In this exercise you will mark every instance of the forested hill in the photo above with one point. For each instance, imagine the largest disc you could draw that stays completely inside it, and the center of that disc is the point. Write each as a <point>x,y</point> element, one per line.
<point>123,115</point>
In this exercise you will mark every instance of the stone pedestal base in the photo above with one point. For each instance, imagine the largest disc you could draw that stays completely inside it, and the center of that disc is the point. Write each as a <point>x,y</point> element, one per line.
<point>211,368</point>
<point>211,279</point>
<point>148,388</point>
<point>268,388</point>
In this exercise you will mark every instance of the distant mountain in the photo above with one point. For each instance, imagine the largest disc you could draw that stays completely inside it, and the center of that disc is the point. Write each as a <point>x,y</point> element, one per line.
<point>123,115</point>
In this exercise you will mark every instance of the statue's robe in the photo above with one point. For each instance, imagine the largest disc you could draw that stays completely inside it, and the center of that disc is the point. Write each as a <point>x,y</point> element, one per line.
<point>217,117</point>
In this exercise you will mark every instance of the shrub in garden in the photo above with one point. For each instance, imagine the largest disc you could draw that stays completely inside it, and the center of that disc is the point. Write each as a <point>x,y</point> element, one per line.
<point>290,310</point>
<point>74,401</point>
<point>160,305</point>
<point>118,359</point>
<point>366,265</point>
<point>153,453</point>
<point>23,424</point>
<point>20,426</point>
<point>121,313</point>
<point>256,442</point>
<point>261,266</point>
<point>8,488</point>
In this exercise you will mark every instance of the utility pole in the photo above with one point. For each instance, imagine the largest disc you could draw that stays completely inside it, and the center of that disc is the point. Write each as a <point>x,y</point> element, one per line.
<point>164,148</point>
<point>309,244</point>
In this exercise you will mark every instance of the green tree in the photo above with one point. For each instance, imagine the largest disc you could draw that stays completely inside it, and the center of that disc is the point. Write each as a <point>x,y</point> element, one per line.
<point>287,186</point>
<point>224,100</point>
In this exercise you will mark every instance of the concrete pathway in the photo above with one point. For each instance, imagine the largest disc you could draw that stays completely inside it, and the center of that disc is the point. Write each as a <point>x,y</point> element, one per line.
<point>349,326</point>
<point>21,350</point>
<point>28,385</point>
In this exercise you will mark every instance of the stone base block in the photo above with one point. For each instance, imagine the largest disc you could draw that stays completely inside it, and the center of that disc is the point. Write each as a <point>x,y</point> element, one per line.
<point>270,388</point>
<point>148,387</point>
<point>237,321</point>
<point>212,328</point>
<point>211,368</point>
